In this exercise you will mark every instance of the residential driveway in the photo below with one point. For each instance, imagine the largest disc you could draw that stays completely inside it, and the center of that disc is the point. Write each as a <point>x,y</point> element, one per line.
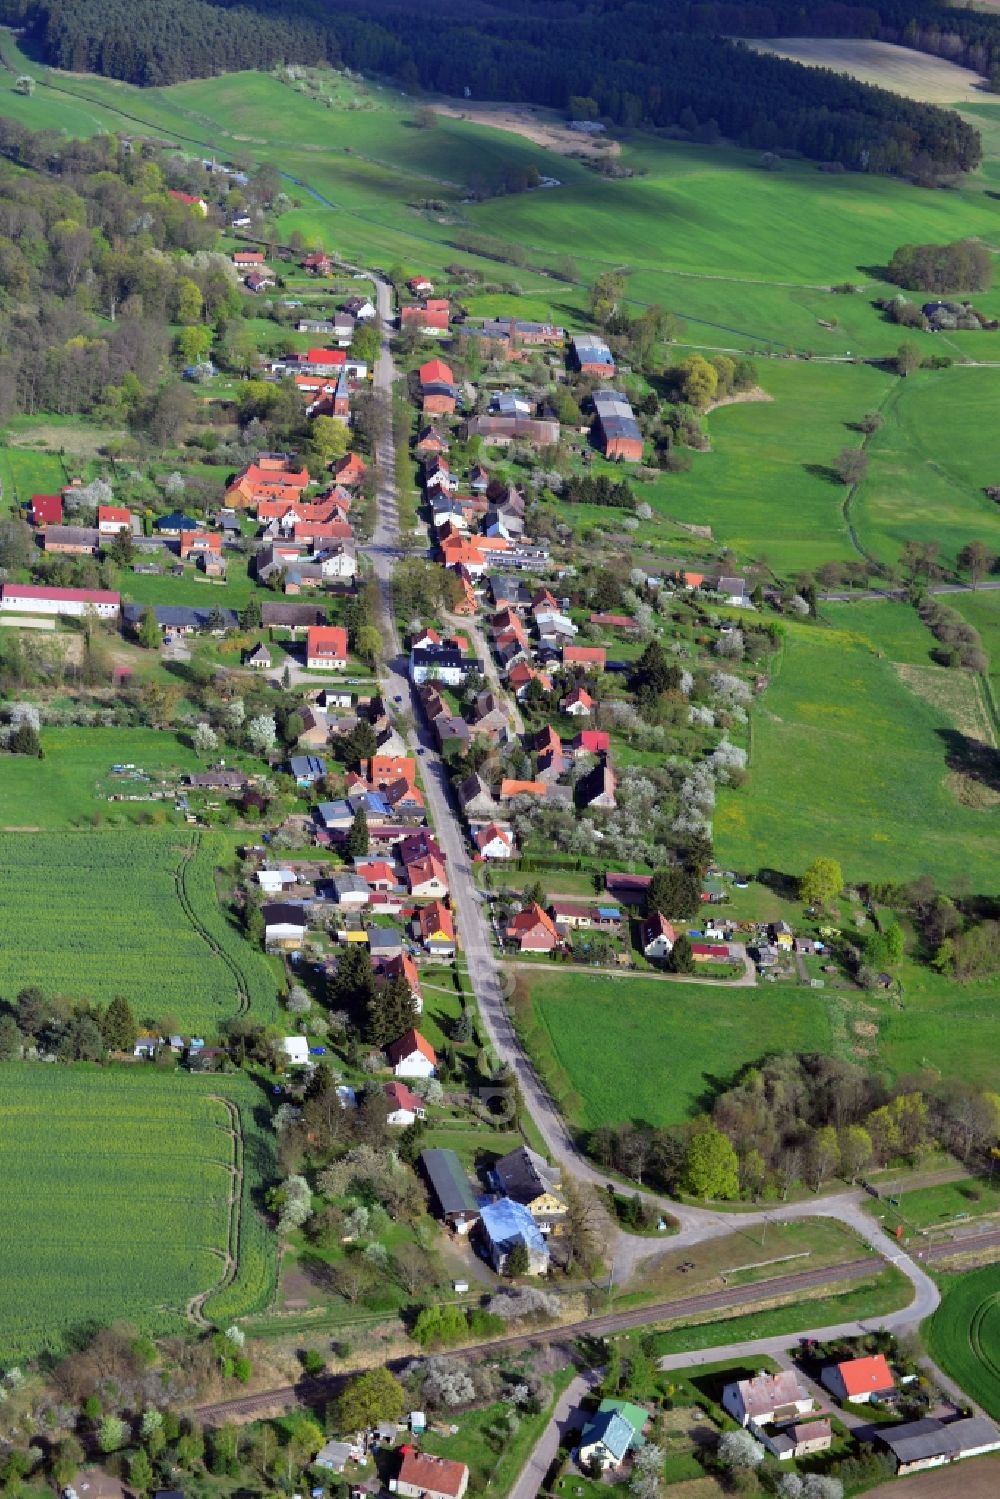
<point>565,1417</point>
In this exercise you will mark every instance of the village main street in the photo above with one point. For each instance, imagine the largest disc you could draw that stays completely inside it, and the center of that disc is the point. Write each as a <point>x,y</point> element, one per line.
<point>696,1225</point>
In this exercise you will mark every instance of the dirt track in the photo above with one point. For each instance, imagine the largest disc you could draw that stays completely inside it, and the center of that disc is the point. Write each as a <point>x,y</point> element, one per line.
<point>543,126</point>
<point>915,75</point>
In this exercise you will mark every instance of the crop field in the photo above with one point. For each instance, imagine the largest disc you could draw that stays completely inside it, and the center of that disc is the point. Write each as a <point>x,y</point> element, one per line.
<point>92,915</point>
<point>117,1201</point>
<point>587,1034</point>
<point>850,761</point>
<point>916,75</point>
<point>963,1335</point>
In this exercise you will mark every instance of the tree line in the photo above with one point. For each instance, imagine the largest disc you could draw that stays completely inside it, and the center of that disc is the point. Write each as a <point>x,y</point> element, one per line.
<point>639,65</point>
<point>802,1118</point>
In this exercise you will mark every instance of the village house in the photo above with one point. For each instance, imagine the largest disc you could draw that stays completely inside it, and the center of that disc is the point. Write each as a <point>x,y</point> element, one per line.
<point>532,930</point>
<point>798,1439</point>
<point>767,1399</point>
<point>525,1177</point>
<point>611,1434</point>
<point>494,842</point>
<point>45,510</point>
<point>426,877</point>
<point>504,431</point>
<point>113,518</point>
<point>590,657</point>
<point>326,648</point>
<point>441,663</point>
<point>245,260</point>
<point>657,937</point>
<point>434,928</point>
<point>590,742</point>
<point>568,917</point>
<point>597,788</point>
<point>437,387</point>
<point>577,704</point>
<point>307,769</point>
<point>859,1380</point>
<point>431,316</point>
<point>404,1107</point>
<point>412,1056</point>
<point>504,1225</point>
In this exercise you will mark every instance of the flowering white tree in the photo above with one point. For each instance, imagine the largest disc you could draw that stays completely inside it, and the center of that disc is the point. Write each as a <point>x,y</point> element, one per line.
<point>738,1449</point>
<point>262,733</point>
<point>205,739</point>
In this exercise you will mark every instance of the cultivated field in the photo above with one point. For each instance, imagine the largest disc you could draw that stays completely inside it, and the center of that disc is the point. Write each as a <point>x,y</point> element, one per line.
<point>916,75</point>
<point>849,760</point>
<point>92,915</point>
<point>980,1479</point>
<point>616,1049</point>
<point>963,1335</point>
<point>117,1202</point>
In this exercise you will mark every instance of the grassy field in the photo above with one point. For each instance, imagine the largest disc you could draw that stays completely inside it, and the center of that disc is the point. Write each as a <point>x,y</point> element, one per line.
<point>117,1201</point>
<point>768,489</point>
<point>930,466</point>
<point>24,473</point>
<point>963,1335</point>
<point>851,705</point>
<point>92,915</point>
<point>587,1034</point>
<point>71,784</point>
<point>887,1291</point>
<point>939,1207</point>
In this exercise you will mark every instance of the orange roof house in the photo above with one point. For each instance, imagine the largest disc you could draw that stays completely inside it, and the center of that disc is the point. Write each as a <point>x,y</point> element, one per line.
<point>382,770</point>
<point>593,657</point>
<point>265,481</point>
<point>350,470</point>
<point>533,930</point>
<point>201,543</point>
<point>860,1379</point>
<point>436,372</point>
<point>434,923</point>
<point>326,646</point>
<point>509,789</point>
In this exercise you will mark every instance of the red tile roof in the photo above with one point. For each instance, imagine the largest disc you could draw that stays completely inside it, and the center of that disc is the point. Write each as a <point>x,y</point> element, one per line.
<point>327,640</point>
<point>409,1043</point>
<point>46,509</point>
<point>66,595</point>
<point>866,1376</point>
<point>439,1475</point>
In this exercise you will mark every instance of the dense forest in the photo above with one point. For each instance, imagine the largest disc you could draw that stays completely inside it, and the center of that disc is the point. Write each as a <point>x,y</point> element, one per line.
<point>96,262</point>
<point>637,63</point>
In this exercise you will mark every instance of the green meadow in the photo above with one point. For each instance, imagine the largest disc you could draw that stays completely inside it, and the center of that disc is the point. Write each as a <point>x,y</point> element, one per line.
<point>930,466</point>
<point>849,757</point>
<point>587,1035</point>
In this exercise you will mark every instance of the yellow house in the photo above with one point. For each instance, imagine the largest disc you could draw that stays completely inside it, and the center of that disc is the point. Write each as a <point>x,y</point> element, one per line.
<point>526,1178</point>
<point>784,936</point>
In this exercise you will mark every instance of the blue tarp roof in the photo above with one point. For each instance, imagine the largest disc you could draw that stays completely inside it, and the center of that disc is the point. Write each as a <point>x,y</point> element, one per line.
<point>507,1223</point>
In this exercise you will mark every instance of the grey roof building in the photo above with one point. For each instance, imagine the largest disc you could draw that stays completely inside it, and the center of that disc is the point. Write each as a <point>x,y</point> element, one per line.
<point>451,1188</point>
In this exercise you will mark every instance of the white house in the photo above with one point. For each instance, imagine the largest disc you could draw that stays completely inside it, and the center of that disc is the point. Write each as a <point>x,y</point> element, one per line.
<point>494,841</point>
<point>657,936</point>
<point>860,1380</point>
<point>412,1056</point>
<point>284,925</point>
<point>350,891</point>
<point>275,881</point>
<point>767,1398</point>
<point>340,562</point>
<point>404,1105</point>
<point>440,663</point>
<point>296,1049</point>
